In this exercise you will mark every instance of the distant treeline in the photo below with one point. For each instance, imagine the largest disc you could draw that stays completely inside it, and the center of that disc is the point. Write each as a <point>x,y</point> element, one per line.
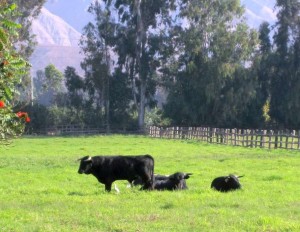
<point>213,69</point>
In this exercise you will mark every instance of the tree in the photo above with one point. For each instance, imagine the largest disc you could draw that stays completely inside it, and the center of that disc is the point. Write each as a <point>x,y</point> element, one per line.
<point>25,42</point>
<point>140,28</point>
<point>97,63</point>
<point>49,85</point>
<point>26,12</point>
<point>213,85</point>
<point>120,99</point>
<point>262,70</point>
<point>12,68</point>
<point>75,86</point>
<point>285,81</point>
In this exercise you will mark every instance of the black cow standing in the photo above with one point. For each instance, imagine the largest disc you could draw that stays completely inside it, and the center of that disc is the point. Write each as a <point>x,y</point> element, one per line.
<point>108,169</point>
<point>226,183</point>
<point>175,181</point>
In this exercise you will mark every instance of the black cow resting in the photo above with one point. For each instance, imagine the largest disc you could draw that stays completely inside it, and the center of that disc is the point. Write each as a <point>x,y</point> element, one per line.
<point>226,183</point>
<point>107,169</point>
<point>175,181</point>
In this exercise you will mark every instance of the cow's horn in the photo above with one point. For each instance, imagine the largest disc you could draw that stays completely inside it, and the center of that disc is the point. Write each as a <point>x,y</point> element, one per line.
<point>88,159</point>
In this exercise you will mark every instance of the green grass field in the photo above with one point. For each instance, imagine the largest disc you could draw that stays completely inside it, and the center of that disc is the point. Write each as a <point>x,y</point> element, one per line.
<point>40,189</point>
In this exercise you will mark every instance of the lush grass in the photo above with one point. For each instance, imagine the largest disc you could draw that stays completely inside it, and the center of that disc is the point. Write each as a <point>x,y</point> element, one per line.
<point>40,189</point>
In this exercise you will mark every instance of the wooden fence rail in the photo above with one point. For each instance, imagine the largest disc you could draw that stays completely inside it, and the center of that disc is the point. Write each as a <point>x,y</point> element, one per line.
<point>74,130</point>
<point>287,139</point>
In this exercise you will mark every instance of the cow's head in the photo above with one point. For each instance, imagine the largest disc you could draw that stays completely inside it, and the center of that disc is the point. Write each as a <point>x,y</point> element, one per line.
<point>233,181</point>
<point>86,164</point>
<point>232,177</point>
<point>178,179</point>
<point>178,176</point>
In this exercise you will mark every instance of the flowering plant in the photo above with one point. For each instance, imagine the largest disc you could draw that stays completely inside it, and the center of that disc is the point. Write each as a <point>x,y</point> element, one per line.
<point>12,67</point>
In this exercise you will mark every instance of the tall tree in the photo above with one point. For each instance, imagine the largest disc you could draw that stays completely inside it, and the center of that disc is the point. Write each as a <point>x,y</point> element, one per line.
<point>262,70</point>
<point>285,82</point>
<point>75,86</point>
<point>97,64</point>
<point>138,43</point>
<point>213,85</point>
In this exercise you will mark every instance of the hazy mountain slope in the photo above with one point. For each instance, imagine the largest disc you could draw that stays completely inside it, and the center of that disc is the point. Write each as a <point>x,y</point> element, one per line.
<point>58,40</point>
<point>258,11</point>
<point>77,16</point>
<point>57,43</point>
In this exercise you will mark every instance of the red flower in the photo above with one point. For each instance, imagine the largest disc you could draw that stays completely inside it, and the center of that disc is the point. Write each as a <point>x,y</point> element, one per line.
<point>21,114</point>
<point>2,104</point>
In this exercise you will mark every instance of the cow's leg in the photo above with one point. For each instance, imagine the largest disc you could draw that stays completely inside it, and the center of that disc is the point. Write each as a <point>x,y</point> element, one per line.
<point>148,183</point>
<point>108,187</point>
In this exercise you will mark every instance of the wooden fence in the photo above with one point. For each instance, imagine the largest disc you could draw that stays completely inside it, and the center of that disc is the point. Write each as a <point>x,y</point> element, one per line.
<point>74,130</point>
<point>287,139</point>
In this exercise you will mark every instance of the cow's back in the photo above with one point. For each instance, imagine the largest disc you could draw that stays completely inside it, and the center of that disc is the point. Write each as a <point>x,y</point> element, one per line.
<point>122,167</point>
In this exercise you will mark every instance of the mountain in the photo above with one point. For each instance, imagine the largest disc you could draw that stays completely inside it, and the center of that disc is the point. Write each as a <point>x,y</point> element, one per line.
<point>257,11</point>
<point>57,43</point>
<point>59,25</point>
<point>77,16</point>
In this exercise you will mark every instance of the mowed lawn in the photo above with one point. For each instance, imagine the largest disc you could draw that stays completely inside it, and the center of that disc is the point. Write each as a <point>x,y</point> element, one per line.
<point>40,189</point>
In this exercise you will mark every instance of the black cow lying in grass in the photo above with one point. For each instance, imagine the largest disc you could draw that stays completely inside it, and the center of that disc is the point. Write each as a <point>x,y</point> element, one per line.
<point>175,181</point>
<point>226,183</point>
<point>108,169</point>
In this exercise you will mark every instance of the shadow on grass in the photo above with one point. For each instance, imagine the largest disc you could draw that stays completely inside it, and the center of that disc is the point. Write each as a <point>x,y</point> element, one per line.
<point>77,194</point>
<point>167,206</point>
<point>272,178</point>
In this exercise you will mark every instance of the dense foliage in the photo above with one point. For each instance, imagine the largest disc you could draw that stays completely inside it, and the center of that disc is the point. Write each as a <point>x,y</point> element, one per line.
<point>199,57</point>
<point>12,68</point>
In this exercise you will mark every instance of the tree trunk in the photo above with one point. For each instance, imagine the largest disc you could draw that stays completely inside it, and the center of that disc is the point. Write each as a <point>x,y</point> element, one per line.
<point>107,102</point>
<point>141,112</point>
<point>141,39</point>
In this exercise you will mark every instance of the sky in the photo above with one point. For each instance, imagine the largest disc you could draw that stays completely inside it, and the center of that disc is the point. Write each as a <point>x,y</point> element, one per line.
<point>77,16</point>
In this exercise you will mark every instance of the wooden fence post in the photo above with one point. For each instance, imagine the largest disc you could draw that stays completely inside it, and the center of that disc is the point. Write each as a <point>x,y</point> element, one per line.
<point>235,136</point>
<point>276,139</point>
<point>298,139</point>
<point>243,136</point>
<point>262,139</point>
<point>293,136</point>
<point>287,139</point>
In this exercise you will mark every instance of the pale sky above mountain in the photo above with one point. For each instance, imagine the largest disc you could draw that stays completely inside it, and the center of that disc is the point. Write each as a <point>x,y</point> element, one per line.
<point>77,16</point>
<point>258,11</point>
